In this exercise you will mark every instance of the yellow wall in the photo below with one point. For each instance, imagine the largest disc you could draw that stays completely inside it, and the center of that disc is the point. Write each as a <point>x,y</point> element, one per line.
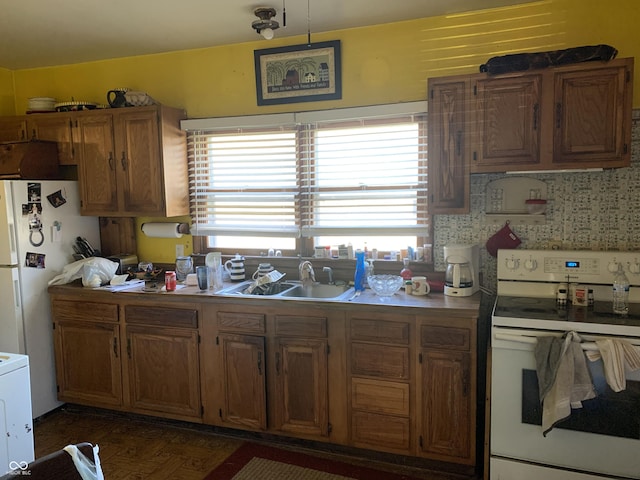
<point>381,64</point>
<point>7,97</point>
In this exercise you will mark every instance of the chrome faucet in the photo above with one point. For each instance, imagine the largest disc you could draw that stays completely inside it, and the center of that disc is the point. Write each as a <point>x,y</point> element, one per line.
<point>306,273</point>
<point>329,270</point>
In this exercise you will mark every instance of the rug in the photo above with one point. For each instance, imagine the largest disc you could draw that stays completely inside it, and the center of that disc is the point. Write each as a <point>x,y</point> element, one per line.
<point>259,462</point>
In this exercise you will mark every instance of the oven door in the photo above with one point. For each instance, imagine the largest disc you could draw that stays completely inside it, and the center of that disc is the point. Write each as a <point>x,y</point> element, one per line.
<point>518,448</point>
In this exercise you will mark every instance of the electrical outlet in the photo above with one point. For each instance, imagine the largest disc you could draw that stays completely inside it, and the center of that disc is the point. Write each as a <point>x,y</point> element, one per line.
<point>179,250</point>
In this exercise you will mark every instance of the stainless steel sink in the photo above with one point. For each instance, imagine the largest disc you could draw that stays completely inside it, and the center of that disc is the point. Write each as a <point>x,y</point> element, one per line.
<point>316,290</point>
<point>268,291</point>
<point>289,290</point>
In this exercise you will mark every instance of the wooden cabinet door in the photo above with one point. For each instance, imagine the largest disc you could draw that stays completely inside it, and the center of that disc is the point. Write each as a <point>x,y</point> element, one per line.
<point>243,397</point>
<point>97,164</point>
<point>448,133</point>
<point>140,162</point>
<point>55,127</point>
<point>13,129</point>
<point>446,405</point>
<point>88,362</point>
<point>592,117</point>
<point>508,123</point>
<point>163,366</point>
<point>301,393</point>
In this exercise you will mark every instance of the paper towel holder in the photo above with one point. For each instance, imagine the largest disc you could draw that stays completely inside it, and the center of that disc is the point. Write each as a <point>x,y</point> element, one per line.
<point>155,229</point>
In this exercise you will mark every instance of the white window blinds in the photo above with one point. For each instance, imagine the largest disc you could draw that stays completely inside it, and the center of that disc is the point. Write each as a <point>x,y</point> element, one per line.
<point>315,177</point>
<point>366,178</point>
<point>243,183</point>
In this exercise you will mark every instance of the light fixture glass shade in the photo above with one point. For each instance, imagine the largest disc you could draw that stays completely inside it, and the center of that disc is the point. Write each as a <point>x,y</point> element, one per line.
<point>267,33</point>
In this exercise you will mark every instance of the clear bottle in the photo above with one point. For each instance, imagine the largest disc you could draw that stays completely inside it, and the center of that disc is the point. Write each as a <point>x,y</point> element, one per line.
<point>620,292</point>
<point>406,272</point>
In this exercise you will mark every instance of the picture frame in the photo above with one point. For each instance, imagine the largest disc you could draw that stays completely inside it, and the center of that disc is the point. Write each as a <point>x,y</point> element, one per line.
<point>298,73</point>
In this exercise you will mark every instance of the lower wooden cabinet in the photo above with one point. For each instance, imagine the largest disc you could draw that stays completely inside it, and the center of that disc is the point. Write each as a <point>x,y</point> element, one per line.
<point>137,358</point>
<point>447,390</point>
<point>266,371</point>
<point>400,383</point>
<point>87,351</point>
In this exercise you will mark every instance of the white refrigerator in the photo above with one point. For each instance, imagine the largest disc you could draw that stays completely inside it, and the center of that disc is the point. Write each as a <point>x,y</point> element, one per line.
<point>39,223</point>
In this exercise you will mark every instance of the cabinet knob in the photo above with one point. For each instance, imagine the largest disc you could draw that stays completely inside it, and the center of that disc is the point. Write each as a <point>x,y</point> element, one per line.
<point>123,162</point>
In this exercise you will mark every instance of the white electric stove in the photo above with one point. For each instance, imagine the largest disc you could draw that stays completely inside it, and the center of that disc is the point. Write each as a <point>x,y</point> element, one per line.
<point>601,440</point>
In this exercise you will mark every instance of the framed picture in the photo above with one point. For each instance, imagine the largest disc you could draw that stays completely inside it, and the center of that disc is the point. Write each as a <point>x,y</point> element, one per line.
<point>298,73</point>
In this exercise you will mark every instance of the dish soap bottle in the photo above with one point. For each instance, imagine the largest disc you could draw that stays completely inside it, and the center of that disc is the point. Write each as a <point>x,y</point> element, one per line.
<point>406,272</point>
<point>620,292</point>
<point>360,272</point>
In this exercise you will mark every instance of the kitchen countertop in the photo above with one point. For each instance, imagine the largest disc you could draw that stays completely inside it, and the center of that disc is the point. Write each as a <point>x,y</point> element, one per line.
<point>432,301</point>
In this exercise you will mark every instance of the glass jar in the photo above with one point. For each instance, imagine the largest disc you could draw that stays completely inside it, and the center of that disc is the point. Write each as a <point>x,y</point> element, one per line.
<point>184,266</point>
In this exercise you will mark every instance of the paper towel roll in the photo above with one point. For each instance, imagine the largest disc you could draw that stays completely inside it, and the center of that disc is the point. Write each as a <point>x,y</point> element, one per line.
<point>164,230</point>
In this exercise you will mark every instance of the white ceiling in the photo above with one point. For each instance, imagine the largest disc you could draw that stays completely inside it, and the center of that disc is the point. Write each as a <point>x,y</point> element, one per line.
<point>38,33</point>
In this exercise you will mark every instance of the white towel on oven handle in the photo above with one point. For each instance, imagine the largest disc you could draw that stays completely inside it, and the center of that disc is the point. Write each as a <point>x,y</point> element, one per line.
<point>617,355</point>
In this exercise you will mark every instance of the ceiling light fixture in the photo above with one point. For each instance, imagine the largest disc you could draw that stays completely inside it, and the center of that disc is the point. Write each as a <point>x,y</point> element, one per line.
<point>265,26</point>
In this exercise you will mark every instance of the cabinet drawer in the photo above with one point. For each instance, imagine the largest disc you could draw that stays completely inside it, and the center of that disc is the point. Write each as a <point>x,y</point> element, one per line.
<point>379,331</point>
<point>299,326</point>
<point>380,397</point>
<point>381,430</point>
<point>97,312</point>
<point>170,317</point>
<point>241,322</point>
<point>380,361</point>
<point>448,337</point>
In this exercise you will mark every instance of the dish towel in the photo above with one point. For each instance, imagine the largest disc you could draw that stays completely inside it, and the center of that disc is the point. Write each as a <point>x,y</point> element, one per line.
<point>563,378</point>
<point>617,355</point>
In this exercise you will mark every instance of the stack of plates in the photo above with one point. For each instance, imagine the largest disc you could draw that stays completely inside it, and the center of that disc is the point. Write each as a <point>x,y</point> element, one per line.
<point>41,104</point>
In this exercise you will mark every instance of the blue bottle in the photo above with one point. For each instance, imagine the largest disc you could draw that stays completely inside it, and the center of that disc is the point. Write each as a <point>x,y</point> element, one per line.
<point>360,272</point>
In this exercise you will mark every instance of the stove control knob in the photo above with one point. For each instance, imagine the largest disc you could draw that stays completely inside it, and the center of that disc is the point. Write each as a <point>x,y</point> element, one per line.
<point>530,264</point>
<point>612,266</point>
<point>634,267</point>
<point>513,263</point>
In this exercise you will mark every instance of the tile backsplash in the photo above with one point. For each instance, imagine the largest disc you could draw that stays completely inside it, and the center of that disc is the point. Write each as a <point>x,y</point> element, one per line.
<point>585,211</point>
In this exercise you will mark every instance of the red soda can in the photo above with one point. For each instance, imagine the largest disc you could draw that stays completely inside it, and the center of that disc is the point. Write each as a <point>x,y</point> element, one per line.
<point>170,281</point>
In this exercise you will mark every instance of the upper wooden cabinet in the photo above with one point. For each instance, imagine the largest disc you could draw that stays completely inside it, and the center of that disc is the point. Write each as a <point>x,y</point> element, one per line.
<point>133,163</point>
<point>448,145</point>
<point>570,117</point>
<point>507,122</point>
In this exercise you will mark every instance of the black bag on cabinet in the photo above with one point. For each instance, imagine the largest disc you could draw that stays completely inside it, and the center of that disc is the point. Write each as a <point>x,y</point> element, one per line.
<point>520,62</point>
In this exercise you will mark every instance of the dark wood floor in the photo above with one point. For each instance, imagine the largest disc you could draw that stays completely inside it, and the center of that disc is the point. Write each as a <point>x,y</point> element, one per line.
<point>135,447</point>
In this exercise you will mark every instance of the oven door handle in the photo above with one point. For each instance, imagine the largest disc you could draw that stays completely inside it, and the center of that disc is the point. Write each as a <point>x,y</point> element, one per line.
<point>511,337</point>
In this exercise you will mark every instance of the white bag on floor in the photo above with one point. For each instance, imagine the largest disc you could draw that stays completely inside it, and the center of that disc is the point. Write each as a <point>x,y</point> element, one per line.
<point>87,469</point>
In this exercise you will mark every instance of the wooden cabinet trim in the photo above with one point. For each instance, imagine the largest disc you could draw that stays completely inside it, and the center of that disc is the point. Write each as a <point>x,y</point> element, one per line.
<point>373,330</point>
<point>85,311</point>
<point>241,322</point>
<point>380,396</point>
<point>381,361</point>
<point>445,337</point>
<point>300,326</point>
<point>381,432</point>
<point>161,316</point>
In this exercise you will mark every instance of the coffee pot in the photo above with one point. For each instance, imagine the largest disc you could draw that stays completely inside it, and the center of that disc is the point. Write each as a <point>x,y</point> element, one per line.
<point>461,274</point>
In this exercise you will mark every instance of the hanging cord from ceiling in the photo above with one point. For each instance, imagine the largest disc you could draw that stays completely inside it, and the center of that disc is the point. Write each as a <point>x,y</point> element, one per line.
<point>308,24</point>
<point>284,15</point>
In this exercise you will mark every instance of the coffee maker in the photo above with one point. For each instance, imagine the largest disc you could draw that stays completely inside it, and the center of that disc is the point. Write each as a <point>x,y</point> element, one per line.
<point>461,275</point>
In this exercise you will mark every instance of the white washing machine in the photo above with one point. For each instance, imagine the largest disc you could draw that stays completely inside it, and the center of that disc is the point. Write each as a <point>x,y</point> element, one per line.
<point>16,424</point>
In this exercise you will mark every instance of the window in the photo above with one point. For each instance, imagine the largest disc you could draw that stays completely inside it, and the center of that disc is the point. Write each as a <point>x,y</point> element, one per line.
<point>311,182</point>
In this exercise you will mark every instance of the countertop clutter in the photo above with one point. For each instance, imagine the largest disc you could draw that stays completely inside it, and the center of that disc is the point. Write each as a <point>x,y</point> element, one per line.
<point>433,300</point>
